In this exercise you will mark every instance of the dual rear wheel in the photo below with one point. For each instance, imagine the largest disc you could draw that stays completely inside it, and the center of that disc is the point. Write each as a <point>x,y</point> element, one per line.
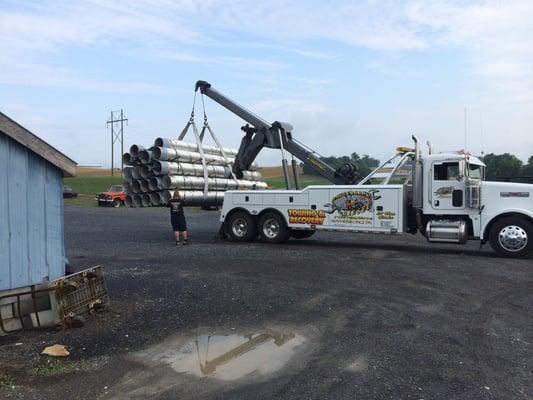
<point>271,228</point>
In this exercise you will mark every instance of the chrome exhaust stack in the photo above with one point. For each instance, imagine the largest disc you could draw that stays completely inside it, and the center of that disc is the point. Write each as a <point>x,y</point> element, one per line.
<point>417,177</point>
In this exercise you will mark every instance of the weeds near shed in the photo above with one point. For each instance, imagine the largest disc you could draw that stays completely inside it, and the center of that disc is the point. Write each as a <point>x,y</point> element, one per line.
<point>7,382</point>
<point>53,368</point>
<point>57,367</point>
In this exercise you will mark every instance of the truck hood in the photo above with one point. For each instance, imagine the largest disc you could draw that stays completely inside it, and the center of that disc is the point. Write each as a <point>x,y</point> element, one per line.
<point>501,197</point>
<point>510,189</point>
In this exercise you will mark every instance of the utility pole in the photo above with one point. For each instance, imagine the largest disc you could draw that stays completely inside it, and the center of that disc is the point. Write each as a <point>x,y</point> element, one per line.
<point>117,136</point>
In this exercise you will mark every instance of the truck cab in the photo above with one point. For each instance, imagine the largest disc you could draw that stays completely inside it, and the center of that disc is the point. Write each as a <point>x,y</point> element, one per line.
<point>456,192</point>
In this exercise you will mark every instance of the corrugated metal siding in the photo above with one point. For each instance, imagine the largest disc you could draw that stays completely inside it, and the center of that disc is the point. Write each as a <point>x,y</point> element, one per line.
<point>31,217</point>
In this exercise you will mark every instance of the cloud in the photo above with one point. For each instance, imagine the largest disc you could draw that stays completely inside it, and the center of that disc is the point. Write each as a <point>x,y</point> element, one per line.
<point>51,76</point>
<point>498,36</point>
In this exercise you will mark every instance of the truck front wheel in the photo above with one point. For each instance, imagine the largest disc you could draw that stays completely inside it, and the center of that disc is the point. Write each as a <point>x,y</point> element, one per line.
<point>512,237</point>
<point>117,203</point>
<point>241,227</point>
<point>272,228</point>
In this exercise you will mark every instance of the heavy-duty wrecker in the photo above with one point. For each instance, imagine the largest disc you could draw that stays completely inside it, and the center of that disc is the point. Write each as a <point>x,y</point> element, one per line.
<point>444,196</point>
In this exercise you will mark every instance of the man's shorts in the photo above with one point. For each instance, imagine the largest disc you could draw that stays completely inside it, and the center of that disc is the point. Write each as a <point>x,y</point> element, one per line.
<point>178,223</point>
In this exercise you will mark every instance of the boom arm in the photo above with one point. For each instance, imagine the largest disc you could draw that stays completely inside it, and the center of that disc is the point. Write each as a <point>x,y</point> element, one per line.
<point>277,135</point>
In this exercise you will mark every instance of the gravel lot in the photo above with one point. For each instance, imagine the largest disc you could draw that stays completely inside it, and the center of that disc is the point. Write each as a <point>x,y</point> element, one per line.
<point>336,316</point>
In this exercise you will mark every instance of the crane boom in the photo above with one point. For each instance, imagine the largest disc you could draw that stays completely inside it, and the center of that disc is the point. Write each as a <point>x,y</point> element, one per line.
<point>278,135</point>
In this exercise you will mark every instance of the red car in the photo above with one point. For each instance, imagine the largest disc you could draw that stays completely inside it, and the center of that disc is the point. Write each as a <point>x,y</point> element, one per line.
<point>113,197</point>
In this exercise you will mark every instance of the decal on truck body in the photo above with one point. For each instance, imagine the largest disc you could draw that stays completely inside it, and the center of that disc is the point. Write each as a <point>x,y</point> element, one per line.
<point>352,203</point>
<point>305,216</point>
<point>351,207</point>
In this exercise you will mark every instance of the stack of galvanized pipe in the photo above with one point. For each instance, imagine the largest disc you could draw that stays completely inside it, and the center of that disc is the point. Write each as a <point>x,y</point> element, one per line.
<point>153,174</point>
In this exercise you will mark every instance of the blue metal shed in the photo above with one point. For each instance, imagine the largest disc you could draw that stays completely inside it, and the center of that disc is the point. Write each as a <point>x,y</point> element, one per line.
<point>31,207</point>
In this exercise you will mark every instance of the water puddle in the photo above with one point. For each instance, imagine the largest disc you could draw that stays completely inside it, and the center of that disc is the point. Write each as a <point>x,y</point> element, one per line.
<point>231,357</point>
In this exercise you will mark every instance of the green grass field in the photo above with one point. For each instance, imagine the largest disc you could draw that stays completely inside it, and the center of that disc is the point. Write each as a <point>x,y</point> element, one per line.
<point>92,184</point>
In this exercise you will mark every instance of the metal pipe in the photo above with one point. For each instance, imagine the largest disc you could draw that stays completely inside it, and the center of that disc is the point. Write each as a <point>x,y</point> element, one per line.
<point>177,165</point>
<point>174,154</point>
<point>128,201</point>
<point>145,156</point>
<point>136,172</point>
<point>137,200</point>
<point>145,200</point>
<point>155,198</point>
<point>135,149</point>
<point>251,175</point>
<point>181,145</point>
<point>127,186</point>
<point>185,156</point>
<point>155,183</point>
<point>146,171</point>
<point>127,173</point>
<point>218,171</point>
<point>143,183</point>
<point>136,186</point>
<point>126,158</point>
<point>194,198</point>
<point>197,182</point>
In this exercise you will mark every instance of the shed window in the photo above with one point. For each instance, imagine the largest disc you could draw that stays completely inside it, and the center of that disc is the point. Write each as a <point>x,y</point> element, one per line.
<point>446,171</point>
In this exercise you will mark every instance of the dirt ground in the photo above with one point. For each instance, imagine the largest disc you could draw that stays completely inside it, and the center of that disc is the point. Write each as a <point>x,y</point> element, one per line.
<point>336,316</point>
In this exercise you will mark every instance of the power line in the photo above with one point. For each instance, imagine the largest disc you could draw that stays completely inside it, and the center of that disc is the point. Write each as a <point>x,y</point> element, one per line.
<point>117,136</point>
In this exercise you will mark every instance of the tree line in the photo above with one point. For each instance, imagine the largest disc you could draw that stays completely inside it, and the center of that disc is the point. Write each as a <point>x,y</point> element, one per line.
<point>499,166</point>
<point>507,166</point>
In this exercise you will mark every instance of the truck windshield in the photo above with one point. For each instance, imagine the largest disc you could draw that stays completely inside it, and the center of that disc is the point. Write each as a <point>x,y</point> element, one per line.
<point>116,189</point>
<point>475,171</point>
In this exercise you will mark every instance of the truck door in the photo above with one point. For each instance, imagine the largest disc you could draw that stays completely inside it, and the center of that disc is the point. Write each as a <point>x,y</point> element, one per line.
<point>448,186</point>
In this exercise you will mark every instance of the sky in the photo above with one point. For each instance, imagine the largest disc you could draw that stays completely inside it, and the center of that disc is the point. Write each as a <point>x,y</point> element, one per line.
<point>349,76</point>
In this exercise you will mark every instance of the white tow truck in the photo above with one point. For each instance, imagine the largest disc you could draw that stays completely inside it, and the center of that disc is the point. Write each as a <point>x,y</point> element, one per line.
<point>444,196</point>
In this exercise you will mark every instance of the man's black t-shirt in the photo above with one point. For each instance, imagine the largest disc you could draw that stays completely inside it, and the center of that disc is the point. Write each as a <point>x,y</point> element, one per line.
<point>176,207</point>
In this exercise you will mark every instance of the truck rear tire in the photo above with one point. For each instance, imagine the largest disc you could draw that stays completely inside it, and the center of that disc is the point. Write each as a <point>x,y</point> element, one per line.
<point>241,227</point>
<point>512,237</point>
<point>272,228</point>
<point>301,234</point>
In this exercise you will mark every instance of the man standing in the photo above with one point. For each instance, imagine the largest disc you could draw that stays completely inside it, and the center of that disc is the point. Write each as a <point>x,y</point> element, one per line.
<point>177,218</point>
